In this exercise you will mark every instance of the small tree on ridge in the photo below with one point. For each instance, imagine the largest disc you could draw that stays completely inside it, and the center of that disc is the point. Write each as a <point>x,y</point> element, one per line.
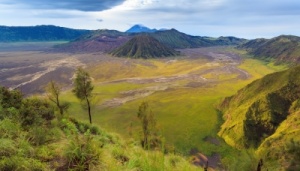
<point>83,89</point>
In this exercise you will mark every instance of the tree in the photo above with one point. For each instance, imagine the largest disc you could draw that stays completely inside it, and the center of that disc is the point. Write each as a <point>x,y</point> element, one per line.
<point>53,92</point>
<point>83,88</point>
<point>150,138</point>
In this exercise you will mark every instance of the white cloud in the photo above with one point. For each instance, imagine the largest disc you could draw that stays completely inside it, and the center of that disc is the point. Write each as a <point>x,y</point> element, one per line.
<point>247,18</point>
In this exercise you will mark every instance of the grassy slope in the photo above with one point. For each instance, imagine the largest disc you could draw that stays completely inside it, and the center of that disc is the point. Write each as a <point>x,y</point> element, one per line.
<point>284,49</point>
<point>185,115</point>
<point>18,152</point>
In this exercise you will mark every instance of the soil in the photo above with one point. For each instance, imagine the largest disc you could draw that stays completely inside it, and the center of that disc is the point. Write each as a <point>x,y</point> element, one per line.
<point>30,70</point>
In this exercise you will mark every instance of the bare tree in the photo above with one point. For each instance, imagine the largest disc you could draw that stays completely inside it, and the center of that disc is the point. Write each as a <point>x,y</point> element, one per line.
<point>83,88</point>
<point>53,90</point>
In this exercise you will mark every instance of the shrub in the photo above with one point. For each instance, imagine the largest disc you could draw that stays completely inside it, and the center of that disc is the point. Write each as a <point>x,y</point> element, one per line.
<point>36,112</point>
<point>82,153</point>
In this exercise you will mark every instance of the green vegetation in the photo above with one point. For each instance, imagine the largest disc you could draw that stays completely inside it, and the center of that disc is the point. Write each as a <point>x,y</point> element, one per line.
<point>53,90</point>
<point>143,46</point>
<point>263,115</point>
<point>178,40</point>
<point>32,139</point>
<point>83,89</point>
<point>185,115</point>
<point>150,138</point>
<point>38,33</point>
<point>284,49</point>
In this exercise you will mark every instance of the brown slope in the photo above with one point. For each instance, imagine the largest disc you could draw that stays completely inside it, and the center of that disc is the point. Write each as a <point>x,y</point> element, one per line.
<point>144,46</point>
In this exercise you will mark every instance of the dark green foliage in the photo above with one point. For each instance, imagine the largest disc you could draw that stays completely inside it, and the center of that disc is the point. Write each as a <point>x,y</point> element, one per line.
<point>284,49</point>
<point>150,138</point>
<point>83,127</point>
<point>10,99</point>
<point>83,89</point>
<point>36,112</point>
<point>38,33</point>
<point>293,148</point>
<point>143,46</point>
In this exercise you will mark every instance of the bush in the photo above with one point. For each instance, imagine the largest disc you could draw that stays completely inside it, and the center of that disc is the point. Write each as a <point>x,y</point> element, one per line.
<point>82,153</point>
<point>36,112</point>
<point>21,163</point>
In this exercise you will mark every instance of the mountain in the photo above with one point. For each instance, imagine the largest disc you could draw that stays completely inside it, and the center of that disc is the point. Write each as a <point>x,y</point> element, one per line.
<point>143,46</point>
<point>108,40</point>
<point>176,39</point>
<point>140,29</point>
<point>283,49</point>
<point>96,41</point>
<point>266,115</point>
<point>39,33</point>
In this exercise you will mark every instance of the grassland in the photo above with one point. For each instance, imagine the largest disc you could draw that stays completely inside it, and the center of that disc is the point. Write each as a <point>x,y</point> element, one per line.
<point>186,114</point>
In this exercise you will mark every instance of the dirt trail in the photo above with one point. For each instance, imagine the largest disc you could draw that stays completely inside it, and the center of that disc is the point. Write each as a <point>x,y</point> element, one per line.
<point>133,95</point>
<point>46,67</point>
<point>221,63</point>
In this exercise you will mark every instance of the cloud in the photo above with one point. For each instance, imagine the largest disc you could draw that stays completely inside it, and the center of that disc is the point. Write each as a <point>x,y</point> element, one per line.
<point>243,18</point>
<point>81,5</point>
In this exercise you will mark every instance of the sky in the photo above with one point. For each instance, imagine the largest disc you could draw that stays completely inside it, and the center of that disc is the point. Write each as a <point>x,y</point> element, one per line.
<point>241,18</point>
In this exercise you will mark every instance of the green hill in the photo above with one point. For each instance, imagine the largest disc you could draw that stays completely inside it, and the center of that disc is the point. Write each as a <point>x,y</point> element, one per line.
<point>176,39</point>
<point>39,33</point>
<point>143,46</point>
<point>282,48</point>
<point>265,115</point>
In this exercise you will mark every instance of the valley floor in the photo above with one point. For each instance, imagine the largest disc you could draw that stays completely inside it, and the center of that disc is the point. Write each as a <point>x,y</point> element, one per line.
<point>182,91</point>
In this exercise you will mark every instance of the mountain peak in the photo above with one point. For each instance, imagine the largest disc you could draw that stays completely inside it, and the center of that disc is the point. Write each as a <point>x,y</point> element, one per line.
<point>144,46</point>
<point>139,28</point>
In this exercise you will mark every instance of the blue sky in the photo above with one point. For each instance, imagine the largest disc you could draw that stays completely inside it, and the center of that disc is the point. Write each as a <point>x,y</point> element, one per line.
<point>241,18</point>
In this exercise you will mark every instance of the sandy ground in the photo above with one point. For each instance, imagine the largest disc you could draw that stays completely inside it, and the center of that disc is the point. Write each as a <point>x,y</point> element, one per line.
<point>30,70</point>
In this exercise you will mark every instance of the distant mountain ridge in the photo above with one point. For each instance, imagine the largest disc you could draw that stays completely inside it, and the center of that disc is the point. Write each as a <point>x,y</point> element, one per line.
<point>39,33</point>
<point>96,41</point>
<point>144,46</point>
<point>283,49</point>
<point>139,28</point>
<point>107,40</point>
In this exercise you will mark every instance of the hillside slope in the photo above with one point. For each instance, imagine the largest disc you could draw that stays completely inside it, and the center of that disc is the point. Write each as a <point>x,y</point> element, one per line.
<point>282,48</point>
<point>38,33</point>
<point>265,115</point>
<point>176,39</point>
<point>32,138</point>
<point>96,41</point>
<point>143,46</point>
